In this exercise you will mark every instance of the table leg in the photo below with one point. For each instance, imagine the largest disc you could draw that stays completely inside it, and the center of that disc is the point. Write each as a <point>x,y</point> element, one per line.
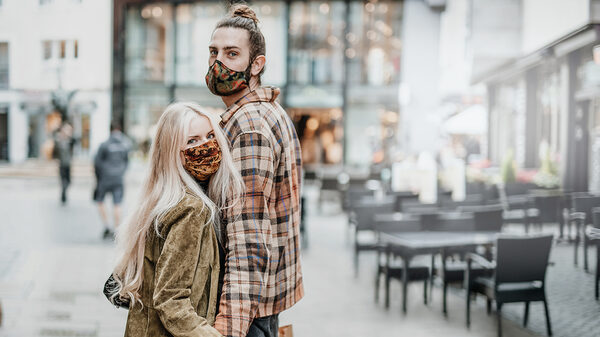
<point>444,283</point>
<point>561,222</point>
<point>576,241</point>
<point>406,267</point>
<point>597,275</point>
<point>387,279</point>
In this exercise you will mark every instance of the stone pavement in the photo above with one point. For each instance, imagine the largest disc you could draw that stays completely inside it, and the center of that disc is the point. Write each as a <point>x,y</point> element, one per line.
<point>53,265</point>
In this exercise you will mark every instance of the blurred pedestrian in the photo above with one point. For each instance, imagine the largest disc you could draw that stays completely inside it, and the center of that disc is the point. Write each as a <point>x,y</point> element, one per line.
<point>110,165</point>
<point>262,266</point>
<point>63,151</point>
<point>167,272</point>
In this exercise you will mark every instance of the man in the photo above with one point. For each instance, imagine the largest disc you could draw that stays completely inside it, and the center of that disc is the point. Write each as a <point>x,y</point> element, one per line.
<point>262,274</point>
<point>110,165</point>
<point>63,151</point>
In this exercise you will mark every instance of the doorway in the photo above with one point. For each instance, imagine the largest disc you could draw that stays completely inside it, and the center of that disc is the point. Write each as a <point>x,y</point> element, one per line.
<point>3,132</point>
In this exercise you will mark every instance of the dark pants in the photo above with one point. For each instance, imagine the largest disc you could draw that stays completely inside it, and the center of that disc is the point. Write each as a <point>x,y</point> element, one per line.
<point>264,327</point>
<point>65,180</point>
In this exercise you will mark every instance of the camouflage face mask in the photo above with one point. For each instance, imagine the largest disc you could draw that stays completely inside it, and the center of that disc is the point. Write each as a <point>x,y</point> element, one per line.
<point>223,81</point>
<point>202,161</point>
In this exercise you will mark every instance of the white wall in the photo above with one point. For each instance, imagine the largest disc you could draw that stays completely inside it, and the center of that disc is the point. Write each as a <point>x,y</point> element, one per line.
<point>88,22</point>
<point>420,74</point>
<point>454,61</point>
<point>547,20</point>
<point>17,126</point>
<point>495,33</point>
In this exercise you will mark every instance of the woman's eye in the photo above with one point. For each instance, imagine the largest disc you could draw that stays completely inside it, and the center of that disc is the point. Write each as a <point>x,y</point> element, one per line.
<point>211,136</point>
<point>191,141</point>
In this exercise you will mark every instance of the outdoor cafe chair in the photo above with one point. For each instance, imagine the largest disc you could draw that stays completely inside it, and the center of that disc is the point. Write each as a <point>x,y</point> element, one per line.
<point>352,197</point>
<point>581,216</point>
<point>390,268</point>
<point>519,275</point>
<point>520,209</point>
<point>549,206</point>
<point>452,269</point>
<point>365,213</point>
<point>403,197</point>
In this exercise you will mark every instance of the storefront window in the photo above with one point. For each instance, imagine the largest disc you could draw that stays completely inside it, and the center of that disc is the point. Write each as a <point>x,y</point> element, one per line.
<point>549,117</point>
<point>166,59</point>
<point>4,65</point>
<point>321,131</point>
<point>374,43</point>
<point>144,106</point>
<point>317,42</point>
<point>148,53</point>
<point>508,122</point>
<point>194,24</point>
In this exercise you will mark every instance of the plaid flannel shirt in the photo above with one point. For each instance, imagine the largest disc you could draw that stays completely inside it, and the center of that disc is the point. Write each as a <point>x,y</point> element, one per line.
<point>262,266</point>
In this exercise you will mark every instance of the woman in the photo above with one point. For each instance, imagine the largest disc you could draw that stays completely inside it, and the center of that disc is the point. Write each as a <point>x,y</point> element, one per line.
<point>168,266</point>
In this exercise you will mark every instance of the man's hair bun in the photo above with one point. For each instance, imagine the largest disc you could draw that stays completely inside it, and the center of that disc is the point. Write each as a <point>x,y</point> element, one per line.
<point>243,11</point>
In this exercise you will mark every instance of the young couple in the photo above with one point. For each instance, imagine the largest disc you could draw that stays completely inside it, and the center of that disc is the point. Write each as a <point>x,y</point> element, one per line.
<point>213,247</point>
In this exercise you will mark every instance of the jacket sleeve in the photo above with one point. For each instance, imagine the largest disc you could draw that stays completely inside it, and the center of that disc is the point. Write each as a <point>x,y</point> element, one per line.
<point>98,161</point>
<point>175,269</point>
<point>248,237</point>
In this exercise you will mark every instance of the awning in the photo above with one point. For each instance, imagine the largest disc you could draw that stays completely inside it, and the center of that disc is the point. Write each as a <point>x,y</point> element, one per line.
<point>471,121</point>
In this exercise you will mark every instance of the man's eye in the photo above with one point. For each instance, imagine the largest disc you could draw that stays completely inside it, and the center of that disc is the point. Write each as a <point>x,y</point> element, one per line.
<point>232,54</point>
<point>213,52</point>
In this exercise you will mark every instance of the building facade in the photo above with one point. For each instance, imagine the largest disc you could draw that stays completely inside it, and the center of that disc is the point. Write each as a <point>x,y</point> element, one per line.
<point>544,103</point>
<point>338,64</point>
<point>61,53</point>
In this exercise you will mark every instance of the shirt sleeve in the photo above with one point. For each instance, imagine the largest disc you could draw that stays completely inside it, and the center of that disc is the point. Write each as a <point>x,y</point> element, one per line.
<point>248,237</point>
<point>175,269</point>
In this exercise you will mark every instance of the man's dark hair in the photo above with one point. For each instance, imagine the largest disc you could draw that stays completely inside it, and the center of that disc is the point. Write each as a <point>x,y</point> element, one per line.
<point>243,17</point>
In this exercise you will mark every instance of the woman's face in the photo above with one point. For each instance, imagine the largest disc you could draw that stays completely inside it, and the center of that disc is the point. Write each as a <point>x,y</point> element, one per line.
<point>200,132</point>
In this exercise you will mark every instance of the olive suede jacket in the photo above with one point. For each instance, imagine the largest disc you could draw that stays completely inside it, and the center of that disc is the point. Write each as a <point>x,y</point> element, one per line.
<point>181,274</point>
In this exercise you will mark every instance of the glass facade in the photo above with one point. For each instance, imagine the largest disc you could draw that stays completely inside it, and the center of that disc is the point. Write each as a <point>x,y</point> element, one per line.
<point>338,63</point>
<point>4,65</point>
<point>549,115</point>
<point>508,122</point>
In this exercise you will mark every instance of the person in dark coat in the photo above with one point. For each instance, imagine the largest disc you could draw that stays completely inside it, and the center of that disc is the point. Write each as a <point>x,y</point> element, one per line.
<point>110,165</point>
<point>63,151</point>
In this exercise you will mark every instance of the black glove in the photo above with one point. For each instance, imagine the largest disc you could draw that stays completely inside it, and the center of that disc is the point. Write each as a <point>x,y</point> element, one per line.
<point>117,300</point>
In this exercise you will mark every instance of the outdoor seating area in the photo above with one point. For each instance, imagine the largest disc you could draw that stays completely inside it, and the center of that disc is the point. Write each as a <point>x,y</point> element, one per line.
<point>497,246</point>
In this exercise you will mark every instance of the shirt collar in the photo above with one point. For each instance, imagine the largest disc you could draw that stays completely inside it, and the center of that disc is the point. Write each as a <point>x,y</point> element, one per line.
<point>260,94</point>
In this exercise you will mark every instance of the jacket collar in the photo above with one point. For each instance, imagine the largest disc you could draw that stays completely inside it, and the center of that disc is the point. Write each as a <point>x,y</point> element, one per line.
<point>260,94</point>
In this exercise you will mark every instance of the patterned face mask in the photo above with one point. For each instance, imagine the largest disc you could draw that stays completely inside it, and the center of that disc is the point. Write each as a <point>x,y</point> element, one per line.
<point>203,160</point>
<point>223,81</point>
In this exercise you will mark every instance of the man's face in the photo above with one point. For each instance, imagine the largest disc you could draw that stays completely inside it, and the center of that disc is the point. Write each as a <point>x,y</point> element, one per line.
<point>230,46</point>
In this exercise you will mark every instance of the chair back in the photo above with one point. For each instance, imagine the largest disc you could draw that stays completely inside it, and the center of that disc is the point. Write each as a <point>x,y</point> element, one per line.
<point>429,221</point>
<point>488,218</point>
<point>446,222</point>
<point>585,204</point>
<point>409,224</point>
<point>549,206</point>
<point>365,213</point>
<point>518,188</point>
<point>596,217</point>
<point>522,259</point>
<point>353,195</point>
<point>403,197</point>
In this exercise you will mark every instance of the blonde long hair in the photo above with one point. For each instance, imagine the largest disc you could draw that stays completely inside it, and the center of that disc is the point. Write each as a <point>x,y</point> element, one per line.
<point>164,187</point>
